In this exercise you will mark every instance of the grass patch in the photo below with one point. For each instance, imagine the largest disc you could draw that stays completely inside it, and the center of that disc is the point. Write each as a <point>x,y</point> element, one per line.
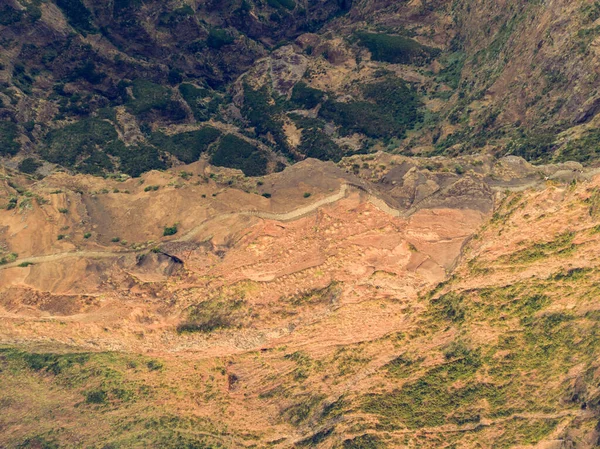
<point>561,246</point>
<point>212,315</point>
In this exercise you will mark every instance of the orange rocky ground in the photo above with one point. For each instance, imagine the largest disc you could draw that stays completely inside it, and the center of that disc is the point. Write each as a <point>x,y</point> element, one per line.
<point>283,306</point>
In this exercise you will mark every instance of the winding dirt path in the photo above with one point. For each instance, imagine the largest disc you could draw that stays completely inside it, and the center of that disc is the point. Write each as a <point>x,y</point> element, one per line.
<point>286,216</point>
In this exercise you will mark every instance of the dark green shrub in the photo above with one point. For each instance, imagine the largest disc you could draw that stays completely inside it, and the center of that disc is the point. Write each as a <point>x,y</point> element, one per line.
<point>315,143</point>
<point>396,49</point>
<point>170,19</point>
<point>287,4</point>
<point>365,441</point>
<point>96,397</point>
<point>234,152</point>
<point>536,147</point>
<point>389,108</point>
<point>154,365</point>
<point>170,230</point>
<point>9,16</point>
<point>306,97</point>
<point>29,165</point>
<point>584,149</point>
<point>148,96</point>
<point>203,102</point>
<point>8,134</point>
<point>87,235</point>
<point>78,16</point>
<point>187,147</point>
<point>218,38</point>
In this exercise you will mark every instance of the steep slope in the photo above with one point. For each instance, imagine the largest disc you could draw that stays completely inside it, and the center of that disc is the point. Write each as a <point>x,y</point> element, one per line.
<point>143,80</point>
<point>337,312</point>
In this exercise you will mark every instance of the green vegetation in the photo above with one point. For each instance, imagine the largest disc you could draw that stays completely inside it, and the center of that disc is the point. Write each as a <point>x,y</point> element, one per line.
<point>188,146</point>
<point>327,295</point>
<point>9,16</point>
<point>537,147</point>
<point>390,108</point>
<point>234,152</point>
<point>561,246</point>
<point>171,18</point>
<point>214,314</point>
<point>151,188</point>
<point>87,144</point>
<point>203,102</point>
<point>8,138</point>
<point>170,230</point>
<point>287,4</point>
<point>219,38</point>
<point>396,49</point>
<point>301,411</point>
<point>263,113</point>
<point>78,16</point>
<point>585,149</point>
<point>150,97</point>
<point>87,235</point>
<point>8,258</point>
<point>29,165</point>
<point>430,400</point>
<point>365,441</point>
<point>306,97</point>
<point>315,143</point>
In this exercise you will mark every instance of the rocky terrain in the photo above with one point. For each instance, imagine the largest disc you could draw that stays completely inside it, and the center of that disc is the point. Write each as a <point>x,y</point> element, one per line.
<point>299,223</point>
<point>130,86</point>
<point>384,301</point>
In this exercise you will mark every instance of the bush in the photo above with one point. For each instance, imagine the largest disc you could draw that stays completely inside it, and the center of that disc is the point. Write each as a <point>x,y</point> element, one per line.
<point>396,49</point>
<point>315,143</point>
<point>306,97</point>
<point>29,165</point>
<point>170,230</point>
<point>584,149</point>
<point>287,4</point>
<point>218,38</point>
<point>188,146</point>
<point>78,16</point>
<point>87,235</point>
<point>9,16</point>
<point>149,97</point>
<point>234,152</point>
<point>203,102</point>
<point>536,147</point>
<point>96,397</point>
<point>8,135</point>
<point>390,108</point>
